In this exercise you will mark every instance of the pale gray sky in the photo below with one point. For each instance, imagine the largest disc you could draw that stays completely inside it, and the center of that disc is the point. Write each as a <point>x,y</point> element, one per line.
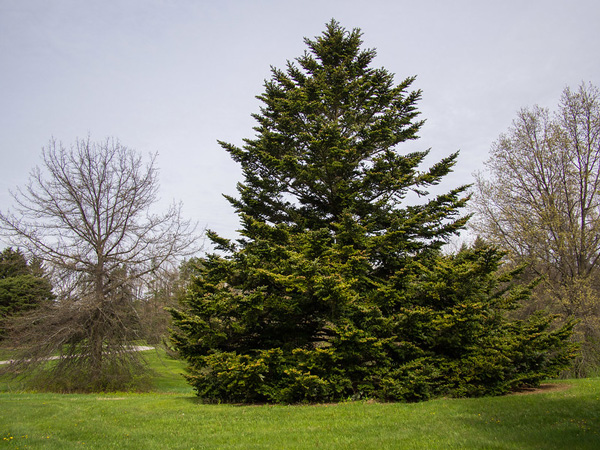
<point>173,76</point>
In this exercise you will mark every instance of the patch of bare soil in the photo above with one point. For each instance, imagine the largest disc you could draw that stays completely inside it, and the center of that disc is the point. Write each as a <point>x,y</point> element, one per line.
<point>545,387</point>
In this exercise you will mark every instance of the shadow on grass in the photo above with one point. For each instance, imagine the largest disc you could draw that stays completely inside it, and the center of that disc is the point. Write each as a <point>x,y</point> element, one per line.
<point>557,420</point>
<point>551,418</point>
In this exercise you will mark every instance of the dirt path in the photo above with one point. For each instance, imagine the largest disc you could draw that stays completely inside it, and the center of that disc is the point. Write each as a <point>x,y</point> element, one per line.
<point>545,387</point>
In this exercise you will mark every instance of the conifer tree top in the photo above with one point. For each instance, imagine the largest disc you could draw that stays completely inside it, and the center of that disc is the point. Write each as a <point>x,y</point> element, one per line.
<point>326,140</point>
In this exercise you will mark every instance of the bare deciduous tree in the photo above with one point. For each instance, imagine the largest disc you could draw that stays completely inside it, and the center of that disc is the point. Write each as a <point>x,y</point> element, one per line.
<point>540,199</point>
<point>87,215</point>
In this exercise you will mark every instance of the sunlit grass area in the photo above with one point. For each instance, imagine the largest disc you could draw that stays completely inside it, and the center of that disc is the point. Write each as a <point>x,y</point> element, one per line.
<point>171,417</point>
<point>166,373</point>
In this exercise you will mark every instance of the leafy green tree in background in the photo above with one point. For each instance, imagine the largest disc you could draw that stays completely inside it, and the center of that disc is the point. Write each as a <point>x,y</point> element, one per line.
<point>337,288</point>
<point>23,286</point>
<point>539,198</point>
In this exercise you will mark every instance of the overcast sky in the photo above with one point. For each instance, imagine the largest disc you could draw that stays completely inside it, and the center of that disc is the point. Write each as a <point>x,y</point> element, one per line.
<point>175,76</point>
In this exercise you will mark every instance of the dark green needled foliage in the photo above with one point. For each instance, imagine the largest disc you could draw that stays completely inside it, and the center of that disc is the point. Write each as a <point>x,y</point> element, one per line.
<point>337,288</point>
<point>23,286</point>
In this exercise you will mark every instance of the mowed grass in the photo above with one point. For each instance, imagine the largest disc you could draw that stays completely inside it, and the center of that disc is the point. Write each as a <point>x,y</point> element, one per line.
<point>172,418</point>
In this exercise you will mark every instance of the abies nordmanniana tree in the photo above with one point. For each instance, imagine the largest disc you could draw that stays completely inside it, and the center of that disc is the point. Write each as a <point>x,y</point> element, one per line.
<point>337,288</point>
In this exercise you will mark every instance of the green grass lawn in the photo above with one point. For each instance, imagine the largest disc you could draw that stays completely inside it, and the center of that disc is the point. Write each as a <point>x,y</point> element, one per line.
<point>172,418</point>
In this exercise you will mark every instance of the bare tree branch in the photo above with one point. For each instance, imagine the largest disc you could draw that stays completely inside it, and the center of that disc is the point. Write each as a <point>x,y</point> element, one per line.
<point>87,214</point>
<point>540,199</point>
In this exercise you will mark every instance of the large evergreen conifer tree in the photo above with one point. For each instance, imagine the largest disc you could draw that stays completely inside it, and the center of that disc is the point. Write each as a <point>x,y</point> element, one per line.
<point>320,299</point>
